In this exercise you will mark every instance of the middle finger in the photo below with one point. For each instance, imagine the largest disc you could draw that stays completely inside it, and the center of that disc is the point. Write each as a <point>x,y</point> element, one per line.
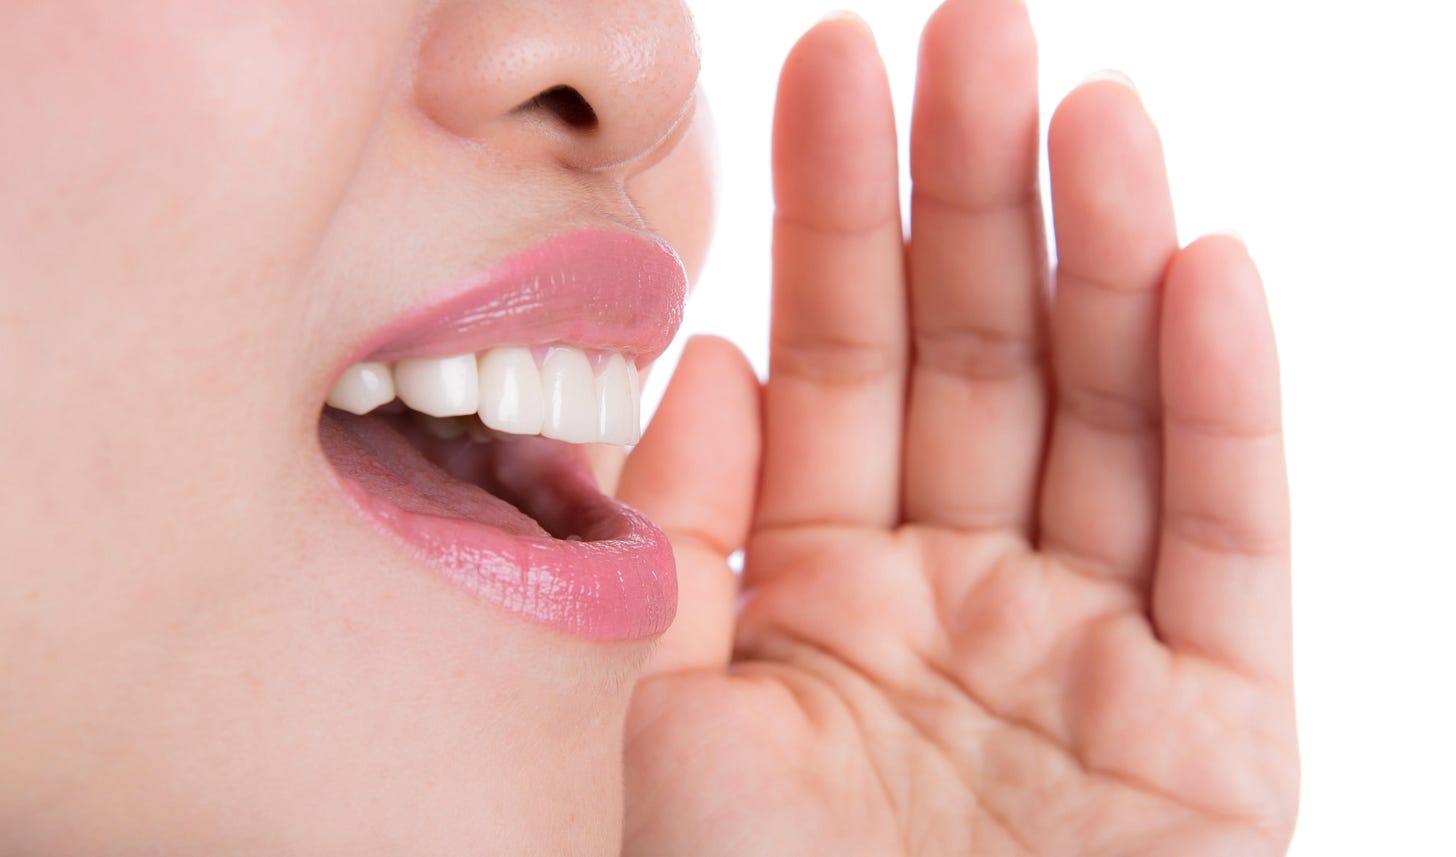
<point>977,411</point>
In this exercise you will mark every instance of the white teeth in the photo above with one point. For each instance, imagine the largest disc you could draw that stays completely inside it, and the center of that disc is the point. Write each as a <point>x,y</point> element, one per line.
<point>510,391</point>
<point>570,397</point>
<point>362,388</point>
<point>440,387</point>
<point>616,418</point>
<point>503,387</point>
<point>636,401</point>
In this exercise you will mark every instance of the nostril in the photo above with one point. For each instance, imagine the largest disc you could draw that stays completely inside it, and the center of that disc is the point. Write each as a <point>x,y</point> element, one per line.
<point>567,105</point>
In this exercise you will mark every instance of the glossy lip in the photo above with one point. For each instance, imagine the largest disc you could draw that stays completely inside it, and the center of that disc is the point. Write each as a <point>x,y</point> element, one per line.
<point>618,583</point>
<point>603,289</point>
<point>593,289</point>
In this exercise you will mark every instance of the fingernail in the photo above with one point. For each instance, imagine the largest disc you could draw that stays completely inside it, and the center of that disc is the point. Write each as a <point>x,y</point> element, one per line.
<point>1234,234</point>
<point>847,16</point>
<point>1112,75</point>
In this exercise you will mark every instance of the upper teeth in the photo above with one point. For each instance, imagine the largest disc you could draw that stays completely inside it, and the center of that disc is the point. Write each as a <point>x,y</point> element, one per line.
<point>560,398</point>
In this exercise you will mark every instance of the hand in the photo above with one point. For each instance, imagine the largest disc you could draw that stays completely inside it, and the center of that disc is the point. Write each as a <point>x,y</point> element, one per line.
<point>1017,563</point>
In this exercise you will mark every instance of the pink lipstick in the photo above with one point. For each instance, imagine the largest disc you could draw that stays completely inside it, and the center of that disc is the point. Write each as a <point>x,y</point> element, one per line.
<point>597,289</point>
<point>519,521</point>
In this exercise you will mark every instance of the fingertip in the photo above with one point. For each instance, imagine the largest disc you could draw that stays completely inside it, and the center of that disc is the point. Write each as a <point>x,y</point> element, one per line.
<point>1111,203</point>
<point>704,434</point>
<point>1112,75</point>
<point>713,373</point>
<point>839,37</point>
<point>1228,234</point>
<point>1220,363</point>
<point>707,346</point>
<point>706,356</point>
<point>1105,106</point>
<point>834,143</point>
<point>847,16</point>
<point>948,27</point>
<point>1214,268</point>
<point>976,125</point>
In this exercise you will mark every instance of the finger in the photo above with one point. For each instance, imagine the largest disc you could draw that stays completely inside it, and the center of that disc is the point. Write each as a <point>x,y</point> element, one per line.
<point>1115,235</point>
<point>977,409</point>
<point>1222,583</point>
<point>834,401</point>
<point>694,474</point>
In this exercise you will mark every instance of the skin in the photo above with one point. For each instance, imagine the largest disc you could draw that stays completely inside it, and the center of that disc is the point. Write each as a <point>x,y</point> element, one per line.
<point>1019,586</point>
<point>1016,574</point>
<point>206,207</point>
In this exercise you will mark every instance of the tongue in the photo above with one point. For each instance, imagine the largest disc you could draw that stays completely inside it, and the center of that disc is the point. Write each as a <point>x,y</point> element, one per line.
<point>375,455</point>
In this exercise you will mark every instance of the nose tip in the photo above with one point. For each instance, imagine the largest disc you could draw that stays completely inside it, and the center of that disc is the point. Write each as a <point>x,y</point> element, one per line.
<point>593,84</point>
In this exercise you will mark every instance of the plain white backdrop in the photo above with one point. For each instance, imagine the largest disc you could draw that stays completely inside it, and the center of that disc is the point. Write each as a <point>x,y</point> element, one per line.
<point>1322,132</point>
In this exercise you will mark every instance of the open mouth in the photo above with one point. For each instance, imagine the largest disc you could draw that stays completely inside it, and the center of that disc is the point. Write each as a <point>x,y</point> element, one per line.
<point>459,433</point>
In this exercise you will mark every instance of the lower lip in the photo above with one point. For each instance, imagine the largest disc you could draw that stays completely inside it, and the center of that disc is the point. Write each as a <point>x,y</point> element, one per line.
<point>618,583</point>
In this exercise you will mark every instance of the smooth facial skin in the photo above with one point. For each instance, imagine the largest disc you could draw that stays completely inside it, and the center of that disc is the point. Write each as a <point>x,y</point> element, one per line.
<point>205,206</point>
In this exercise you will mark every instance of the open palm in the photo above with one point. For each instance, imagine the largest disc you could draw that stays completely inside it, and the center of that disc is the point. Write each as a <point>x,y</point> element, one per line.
<point>1016,575</point>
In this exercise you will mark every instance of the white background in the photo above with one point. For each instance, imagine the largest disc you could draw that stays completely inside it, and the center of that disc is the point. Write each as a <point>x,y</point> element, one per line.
<point>1321,132</point>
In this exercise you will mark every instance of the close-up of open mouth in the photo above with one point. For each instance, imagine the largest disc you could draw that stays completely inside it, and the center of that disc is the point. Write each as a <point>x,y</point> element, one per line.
<point>458,431</point>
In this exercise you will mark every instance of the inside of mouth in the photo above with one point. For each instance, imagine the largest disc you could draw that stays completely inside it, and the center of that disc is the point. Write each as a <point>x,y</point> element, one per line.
<point>522,486</point>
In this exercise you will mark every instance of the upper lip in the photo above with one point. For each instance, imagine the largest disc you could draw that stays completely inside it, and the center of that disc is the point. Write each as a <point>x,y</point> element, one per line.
<point>608,289</point>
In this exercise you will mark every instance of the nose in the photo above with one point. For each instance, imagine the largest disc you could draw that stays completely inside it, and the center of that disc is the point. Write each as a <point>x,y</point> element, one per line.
<point>593,84</point>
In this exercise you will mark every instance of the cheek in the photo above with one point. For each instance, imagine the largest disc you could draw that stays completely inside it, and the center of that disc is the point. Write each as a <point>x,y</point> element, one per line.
<point>677,195</point>
<point>166,172</point>
<point>166,168</point>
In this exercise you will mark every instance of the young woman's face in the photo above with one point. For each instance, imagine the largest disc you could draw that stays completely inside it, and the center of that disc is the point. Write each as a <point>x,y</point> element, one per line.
<point>211,641</point>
